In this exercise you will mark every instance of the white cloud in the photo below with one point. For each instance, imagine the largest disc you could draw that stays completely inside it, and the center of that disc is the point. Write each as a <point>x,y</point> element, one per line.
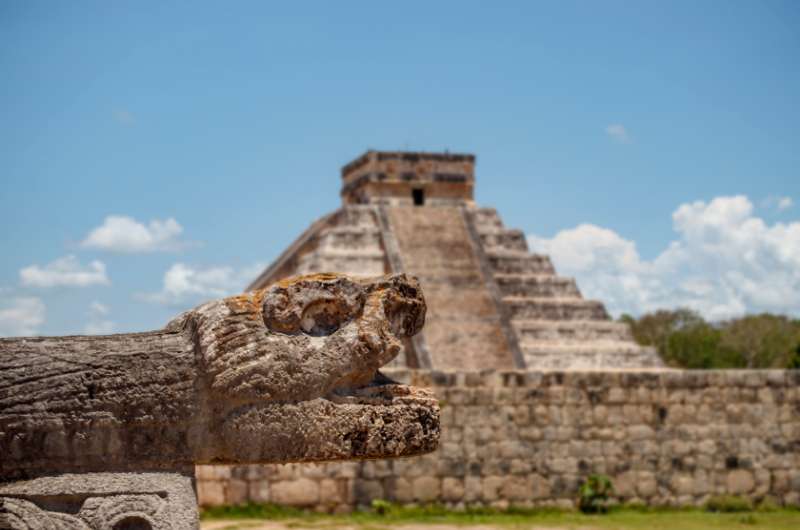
<point>98,324</point>
<point>184,284</point>
<point>66,272</point>
<point>21,316</point>
<point>618,132</point>
<point>724,262</point>
<point>98,309</point>
<point>120,233</point>
<point>777,202</point>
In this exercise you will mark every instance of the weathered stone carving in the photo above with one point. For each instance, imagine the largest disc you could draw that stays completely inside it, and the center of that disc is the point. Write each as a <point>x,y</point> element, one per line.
<point>103,432</point>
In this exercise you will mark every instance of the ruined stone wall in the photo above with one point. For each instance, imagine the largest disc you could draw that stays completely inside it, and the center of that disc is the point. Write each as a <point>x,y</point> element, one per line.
<point>529,438</point>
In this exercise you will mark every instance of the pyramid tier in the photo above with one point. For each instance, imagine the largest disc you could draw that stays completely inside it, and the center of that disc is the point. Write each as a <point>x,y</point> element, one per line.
<point>503,240</point>
<point>351,243</point>
<point>348,237</point>
<point>598,355</point>
<point>571,330</point>
<point>526,307</point>
<point>359,263</point>
<point>536,286</point>
<point>509,262</point>
<point>486,219</point>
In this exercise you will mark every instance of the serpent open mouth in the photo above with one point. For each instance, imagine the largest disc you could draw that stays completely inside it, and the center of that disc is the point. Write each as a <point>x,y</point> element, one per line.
<point>383,420</point>
<point>304,384</point>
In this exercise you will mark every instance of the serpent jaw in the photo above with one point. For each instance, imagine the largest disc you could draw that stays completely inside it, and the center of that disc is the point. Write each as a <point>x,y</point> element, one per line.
<point>291,372</point>
<point>383,421</point>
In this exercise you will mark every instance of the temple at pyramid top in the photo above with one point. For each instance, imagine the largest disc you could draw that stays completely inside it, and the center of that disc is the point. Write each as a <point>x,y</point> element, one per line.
<point>491,302</point>
<point>398,177</point>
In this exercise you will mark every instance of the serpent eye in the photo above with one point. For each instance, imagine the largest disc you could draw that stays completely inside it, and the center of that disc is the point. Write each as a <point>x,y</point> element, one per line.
<point>278,313</point>
<point>322,317</point>
<point>315,305</point>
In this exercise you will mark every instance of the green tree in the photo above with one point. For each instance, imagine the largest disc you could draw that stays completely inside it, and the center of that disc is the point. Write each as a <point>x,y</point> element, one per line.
<point>794,362</point>
<point>762,341</point>
<point>698,346</point>
<point>654,329</point>
<point>684,339</point>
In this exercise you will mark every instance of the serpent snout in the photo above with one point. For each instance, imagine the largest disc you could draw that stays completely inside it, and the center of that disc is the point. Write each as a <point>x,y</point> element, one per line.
<point>403,304</point>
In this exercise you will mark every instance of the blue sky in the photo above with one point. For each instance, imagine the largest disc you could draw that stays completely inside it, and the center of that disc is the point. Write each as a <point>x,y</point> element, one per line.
<point>594,123</point>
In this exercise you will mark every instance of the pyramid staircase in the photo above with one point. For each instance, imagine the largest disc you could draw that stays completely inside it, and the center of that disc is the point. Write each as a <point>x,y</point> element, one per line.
<point>556,328</point>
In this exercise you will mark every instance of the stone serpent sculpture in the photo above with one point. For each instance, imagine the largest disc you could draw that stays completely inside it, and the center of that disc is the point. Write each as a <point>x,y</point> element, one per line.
<point>284,374</point>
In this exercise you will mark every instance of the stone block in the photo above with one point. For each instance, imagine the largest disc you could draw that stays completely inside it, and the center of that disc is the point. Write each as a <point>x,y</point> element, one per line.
<point>333,492</point>
<point>740,481</point>
<point>400,490</point>
<point>625,484</point>
<point>646,485</point>
<point>236,492</point>
<point>473,489</point>
<point>540,486</point>
<point>516,488</point>
<point>452,489</point>
<point>682,484</point>
<point>300,492</point>
<point>366,491</point>
<point>616,395</point>
<point>521,466</point>
<point>210,493</point>
<point>103,501</point>
<point>427,489</point>
<point>491,488</point>
<point>204,473</point>
<point>258,491</point>
<point>640,432</point>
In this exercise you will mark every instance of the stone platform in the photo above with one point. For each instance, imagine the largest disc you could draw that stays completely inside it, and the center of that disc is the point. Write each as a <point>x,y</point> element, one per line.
<point>526,438</point>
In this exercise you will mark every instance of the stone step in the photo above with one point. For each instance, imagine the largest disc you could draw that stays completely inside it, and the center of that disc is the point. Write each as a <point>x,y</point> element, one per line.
<point>537,285</point>
<point>575,359</point>
<point>358,215</point>
<point>358,263</point>
<point>539,308</point>
<point>504,239</point>
<point>486,218</point>
<point>577,347</point>
<point>349,237</point>
<point>519,263</point>
<point>462,325</point>
<point>571,330</point>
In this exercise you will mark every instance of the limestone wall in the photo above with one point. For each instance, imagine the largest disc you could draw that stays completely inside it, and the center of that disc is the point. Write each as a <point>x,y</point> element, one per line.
<point>529,438</point>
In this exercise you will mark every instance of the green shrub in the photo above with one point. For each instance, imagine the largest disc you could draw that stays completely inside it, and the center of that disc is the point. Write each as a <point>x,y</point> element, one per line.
<point>381,507</point>
<point>768,504</point>
<point>594,493</point>
<point>728,504</point>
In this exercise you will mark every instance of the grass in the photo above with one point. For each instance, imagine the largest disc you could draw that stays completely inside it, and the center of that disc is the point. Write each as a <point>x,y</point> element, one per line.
<point>631,518</point>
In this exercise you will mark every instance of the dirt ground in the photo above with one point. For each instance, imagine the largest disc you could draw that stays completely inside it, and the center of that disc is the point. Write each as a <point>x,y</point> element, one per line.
<point>278,525</point>
<point>678,520</point>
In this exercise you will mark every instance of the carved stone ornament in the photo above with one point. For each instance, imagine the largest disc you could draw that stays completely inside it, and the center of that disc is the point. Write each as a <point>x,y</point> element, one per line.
<point>103,432</point>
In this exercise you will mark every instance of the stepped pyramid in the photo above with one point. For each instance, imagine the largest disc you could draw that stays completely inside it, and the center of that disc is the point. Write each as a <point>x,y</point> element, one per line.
<point>491,302</point>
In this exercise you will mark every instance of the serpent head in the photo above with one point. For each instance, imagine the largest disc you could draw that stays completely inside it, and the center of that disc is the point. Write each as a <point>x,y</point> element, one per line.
<point>288,370</point>
<point>304,337</point>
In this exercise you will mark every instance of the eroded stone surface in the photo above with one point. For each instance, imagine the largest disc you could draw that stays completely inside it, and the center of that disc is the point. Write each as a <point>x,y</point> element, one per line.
<point>282,374</point>
<point>158,501</point>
